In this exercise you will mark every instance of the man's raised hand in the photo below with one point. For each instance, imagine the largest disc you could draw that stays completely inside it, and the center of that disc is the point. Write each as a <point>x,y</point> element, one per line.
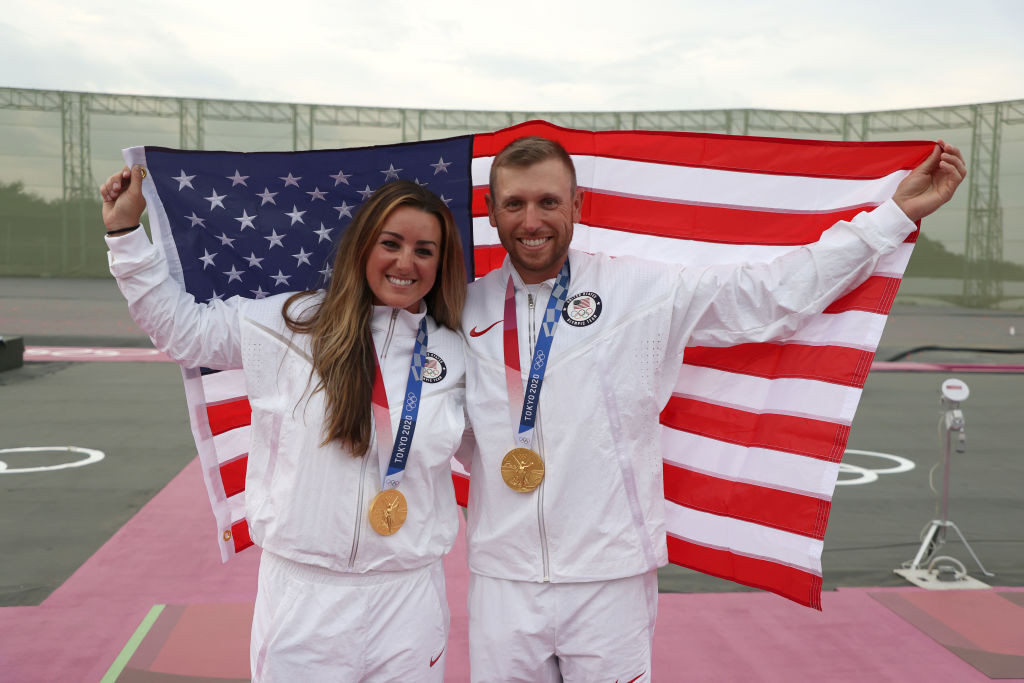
<point>931,184</point>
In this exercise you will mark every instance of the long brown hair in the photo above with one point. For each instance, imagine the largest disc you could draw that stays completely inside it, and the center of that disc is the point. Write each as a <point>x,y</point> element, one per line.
<point>341,342</point>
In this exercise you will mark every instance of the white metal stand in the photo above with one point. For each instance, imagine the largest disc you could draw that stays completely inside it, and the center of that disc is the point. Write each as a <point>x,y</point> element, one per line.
<point>937,575</point>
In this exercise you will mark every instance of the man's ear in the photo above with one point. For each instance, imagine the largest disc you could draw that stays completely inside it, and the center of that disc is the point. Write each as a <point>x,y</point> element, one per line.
<point>577,206</point>
<point>490,210</point>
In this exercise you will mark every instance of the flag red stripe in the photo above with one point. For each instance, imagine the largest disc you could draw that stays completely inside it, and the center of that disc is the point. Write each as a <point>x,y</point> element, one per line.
<point>461,483</point>
<point>800,435</point>
<point>793,512</point>
<point>240,535</point>
<point>726,225</point>
<point>835,364</point>
<point>223,417</point>
<point>232,475</point>
<point>814,158</point>
<point>486,259</point>
<point>796,584</point>
<point>874,295</point>
<point>478,206</point>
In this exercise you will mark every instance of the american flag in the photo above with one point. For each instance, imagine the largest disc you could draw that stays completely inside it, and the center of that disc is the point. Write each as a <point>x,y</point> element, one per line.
<point>753,435</point>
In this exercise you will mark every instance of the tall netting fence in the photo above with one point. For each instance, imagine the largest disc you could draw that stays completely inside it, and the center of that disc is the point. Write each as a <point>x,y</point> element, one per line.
<point>56,147</point>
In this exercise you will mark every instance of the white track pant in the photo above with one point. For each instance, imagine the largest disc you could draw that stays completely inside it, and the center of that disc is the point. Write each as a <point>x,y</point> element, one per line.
<point>314,625</point>
<point>548,632</point>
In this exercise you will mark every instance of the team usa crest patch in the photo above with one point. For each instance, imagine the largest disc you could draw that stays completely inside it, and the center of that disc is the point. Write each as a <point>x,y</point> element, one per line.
<point>434,368</point>
<point>582,309</point>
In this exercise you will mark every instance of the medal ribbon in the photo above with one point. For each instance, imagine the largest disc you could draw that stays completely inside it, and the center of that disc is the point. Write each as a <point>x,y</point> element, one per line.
<point>522,403</point>
<point>411,408</point>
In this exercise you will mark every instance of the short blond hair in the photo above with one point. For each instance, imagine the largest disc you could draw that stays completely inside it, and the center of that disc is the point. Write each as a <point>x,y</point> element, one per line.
<point>525,152</point>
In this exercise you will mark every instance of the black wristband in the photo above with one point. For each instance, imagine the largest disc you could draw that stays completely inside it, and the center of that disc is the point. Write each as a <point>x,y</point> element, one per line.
<point>118,231</point>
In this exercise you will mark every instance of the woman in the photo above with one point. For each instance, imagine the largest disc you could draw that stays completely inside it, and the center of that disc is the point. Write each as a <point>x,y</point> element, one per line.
<point>346,590</point>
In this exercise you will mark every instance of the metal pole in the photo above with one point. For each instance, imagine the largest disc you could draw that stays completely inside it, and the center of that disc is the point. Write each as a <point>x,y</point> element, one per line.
<point>944,514</point>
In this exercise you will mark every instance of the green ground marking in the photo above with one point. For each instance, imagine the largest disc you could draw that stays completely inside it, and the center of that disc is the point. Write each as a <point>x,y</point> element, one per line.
<point>132,645</point>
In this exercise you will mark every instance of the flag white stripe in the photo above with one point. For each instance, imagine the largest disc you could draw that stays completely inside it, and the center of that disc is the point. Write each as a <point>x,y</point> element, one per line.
<point>744,538</point>
<point>232,444</point>
<point>783,396</point>
<point>713,187</point>
<point>236,507</point>
<point>224,386</point>
<point>760,466</point>
<point>855,329</point>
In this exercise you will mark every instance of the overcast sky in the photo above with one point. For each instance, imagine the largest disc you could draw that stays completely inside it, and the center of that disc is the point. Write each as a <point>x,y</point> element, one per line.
<point>524,55</point>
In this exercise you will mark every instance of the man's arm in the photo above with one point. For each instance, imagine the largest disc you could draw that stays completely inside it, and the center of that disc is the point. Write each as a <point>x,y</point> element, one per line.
<point>756,302</point>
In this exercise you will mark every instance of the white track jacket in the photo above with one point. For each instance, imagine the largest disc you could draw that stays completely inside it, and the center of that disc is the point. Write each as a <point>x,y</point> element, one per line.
<point>599,512</point>
<point>304,501</point>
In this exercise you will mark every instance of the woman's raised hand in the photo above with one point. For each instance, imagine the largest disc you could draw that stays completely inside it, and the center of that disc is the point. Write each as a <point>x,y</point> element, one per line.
<point>123,202</point>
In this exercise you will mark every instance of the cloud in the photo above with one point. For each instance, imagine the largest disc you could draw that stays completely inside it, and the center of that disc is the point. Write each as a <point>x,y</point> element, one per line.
<point>533,56</point>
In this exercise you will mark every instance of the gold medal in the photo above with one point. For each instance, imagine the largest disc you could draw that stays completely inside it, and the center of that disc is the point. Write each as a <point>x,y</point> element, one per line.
<point>388,511</point>
<point>522,469</point>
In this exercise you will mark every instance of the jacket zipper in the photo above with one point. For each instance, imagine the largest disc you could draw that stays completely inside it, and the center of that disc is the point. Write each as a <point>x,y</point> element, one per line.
<point>359,507</point>
<point>366,456</point>
<point>538,443</point>
<point>390,334</point>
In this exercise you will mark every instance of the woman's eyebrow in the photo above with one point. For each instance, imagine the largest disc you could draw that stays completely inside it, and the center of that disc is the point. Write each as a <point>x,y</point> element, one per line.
<point>401,237</point>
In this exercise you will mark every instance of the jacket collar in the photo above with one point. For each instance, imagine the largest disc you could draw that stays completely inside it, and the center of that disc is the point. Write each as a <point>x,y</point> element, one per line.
<point>508,269</point>
<point>406,323</point>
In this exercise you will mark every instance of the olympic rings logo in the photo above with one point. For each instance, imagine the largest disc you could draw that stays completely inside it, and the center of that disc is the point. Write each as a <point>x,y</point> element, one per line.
<point>410,402</point>
<point>864,475</point>
<point>538,363</point>
<point>91,456</point>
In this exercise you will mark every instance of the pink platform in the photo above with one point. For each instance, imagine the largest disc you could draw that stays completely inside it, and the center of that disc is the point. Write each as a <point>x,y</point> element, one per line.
<point>89,629</point>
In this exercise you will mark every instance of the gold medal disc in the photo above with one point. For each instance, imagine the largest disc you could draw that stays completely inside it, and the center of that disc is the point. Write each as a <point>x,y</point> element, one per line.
<point>522,469</point>
<point>388,511</point>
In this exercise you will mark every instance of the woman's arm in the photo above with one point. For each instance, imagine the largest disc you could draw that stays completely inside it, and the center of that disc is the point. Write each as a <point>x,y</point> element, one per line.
<point>193,334</point>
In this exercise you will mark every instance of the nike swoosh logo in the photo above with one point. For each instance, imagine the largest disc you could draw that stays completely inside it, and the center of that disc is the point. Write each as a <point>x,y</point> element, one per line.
<point>633,679</point>
<point>474,333</point>
<point>435,659</point>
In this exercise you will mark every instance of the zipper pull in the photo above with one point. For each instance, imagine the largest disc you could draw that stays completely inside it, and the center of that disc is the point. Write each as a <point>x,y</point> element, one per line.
<point>391,331</point>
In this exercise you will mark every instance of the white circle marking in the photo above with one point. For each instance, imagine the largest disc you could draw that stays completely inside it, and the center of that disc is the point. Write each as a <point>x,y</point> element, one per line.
<point>868,476</point>
<point>91,456</point>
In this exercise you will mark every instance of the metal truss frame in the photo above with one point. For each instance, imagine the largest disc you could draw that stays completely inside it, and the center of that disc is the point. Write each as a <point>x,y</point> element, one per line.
<point>984,228</point>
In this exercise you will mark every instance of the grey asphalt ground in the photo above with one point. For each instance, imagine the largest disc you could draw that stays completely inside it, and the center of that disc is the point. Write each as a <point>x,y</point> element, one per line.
<point>51,522</point>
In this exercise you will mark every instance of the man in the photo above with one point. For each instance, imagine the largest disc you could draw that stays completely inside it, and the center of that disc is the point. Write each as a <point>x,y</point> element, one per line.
<point>566,513</point>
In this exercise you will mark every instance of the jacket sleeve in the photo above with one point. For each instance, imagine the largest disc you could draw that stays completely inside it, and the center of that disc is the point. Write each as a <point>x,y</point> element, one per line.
<point>191,333</point>
<point>757,302</point>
